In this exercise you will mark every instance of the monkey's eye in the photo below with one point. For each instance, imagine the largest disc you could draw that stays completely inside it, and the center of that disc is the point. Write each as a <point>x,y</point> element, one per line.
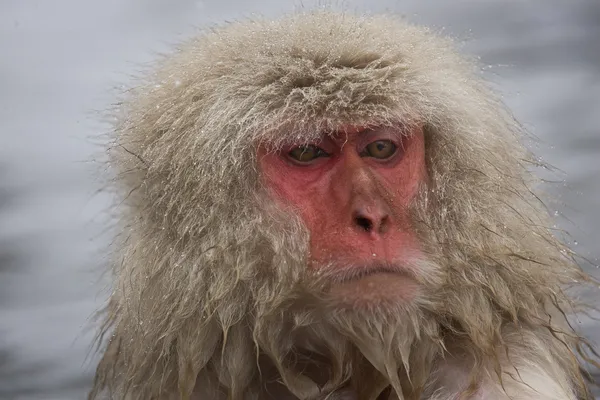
<point>380,149</point>
<point>306,154</point>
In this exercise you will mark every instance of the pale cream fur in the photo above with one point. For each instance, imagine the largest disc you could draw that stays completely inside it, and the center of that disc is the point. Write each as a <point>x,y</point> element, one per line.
<point>534,378</point>
<point>212,298</point>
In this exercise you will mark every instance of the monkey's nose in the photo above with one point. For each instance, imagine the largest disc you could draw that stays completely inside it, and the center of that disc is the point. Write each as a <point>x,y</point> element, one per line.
<point>371,220</point>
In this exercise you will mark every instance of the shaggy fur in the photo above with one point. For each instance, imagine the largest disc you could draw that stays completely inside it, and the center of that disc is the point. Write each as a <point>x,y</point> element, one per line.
<point>212,296</point>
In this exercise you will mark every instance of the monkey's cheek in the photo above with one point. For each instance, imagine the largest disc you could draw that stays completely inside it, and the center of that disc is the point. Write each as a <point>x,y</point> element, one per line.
<point>381,290</point>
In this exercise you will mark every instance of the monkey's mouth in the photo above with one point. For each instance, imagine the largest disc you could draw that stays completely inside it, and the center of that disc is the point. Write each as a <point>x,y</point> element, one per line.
<point>372,285</point>
<point>352,273</point>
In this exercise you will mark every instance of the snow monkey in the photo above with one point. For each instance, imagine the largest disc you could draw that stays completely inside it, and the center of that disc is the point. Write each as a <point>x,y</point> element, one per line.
<point>330,206</point>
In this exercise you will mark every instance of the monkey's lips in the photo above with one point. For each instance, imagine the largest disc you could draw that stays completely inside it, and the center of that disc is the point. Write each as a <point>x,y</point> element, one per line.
<point>373,286</point>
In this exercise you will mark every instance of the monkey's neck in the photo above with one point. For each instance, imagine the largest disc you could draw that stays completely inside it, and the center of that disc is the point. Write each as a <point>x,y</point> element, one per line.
<point>314,367</point>
<point>277,391</point>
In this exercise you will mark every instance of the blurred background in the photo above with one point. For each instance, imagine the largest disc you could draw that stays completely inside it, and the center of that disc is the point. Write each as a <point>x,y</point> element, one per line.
<point>63,62</point>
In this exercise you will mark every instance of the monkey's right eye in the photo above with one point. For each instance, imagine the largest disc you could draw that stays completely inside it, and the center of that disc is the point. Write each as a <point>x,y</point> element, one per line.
<point>306,154</point>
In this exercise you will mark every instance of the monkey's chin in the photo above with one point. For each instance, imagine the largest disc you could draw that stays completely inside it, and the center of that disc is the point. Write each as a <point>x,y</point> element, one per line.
<point>374,291</point>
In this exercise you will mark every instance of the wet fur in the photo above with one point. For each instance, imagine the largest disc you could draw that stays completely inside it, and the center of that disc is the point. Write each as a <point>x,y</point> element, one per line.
<point>212,297</point>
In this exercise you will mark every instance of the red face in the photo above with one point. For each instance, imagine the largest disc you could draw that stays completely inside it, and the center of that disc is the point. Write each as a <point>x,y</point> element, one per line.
<point>353,191</point>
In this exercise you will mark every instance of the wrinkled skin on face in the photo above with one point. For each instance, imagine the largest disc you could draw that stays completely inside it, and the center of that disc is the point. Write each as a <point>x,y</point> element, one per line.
<point>353,192</point>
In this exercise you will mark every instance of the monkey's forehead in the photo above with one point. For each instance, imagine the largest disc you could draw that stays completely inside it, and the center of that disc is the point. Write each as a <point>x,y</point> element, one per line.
<point>291,79</point>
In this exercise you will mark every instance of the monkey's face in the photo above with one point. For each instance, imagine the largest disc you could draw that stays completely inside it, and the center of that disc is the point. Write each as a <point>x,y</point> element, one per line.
<point>353,189</point>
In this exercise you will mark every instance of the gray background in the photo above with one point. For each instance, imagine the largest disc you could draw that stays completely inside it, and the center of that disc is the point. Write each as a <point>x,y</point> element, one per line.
<point>60,61</point>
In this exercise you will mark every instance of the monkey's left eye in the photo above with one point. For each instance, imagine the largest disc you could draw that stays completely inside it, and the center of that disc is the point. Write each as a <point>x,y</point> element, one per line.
<point>306,154</point>
<point>380,149</point>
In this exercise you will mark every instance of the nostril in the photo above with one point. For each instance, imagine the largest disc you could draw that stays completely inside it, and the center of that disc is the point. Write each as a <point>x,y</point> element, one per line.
<point>364,223</point>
